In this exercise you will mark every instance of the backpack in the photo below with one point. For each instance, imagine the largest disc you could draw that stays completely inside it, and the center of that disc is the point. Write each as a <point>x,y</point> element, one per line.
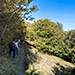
<point>11,45</point>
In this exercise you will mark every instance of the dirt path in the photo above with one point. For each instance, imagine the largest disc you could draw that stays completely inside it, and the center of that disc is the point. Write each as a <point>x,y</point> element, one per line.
<point>21,67</point>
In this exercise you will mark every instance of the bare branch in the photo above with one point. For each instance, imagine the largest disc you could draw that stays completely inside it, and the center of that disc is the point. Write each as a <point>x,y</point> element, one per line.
<point>4,30</point>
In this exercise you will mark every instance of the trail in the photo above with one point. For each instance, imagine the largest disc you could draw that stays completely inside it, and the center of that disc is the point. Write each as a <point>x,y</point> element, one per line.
<point>21,67</point>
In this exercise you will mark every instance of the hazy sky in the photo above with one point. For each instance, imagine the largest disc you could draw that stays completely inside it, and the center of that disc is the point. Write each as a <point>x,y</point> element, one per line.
<point>62,11</point>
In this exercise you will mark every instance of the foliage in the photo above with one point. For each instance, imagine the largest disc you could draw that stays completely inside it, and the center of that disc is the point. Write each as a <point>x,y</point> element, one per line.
<point>59,25</point>
<point>70,45</point>
<point>12,24</point>
<point>49,37</point>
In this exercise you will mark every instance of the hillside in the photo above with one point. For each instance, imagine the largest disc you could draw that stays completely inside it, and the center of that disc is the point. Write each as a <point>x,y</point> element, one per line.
<point>45,47</point>
<point>47,64</point>
<point>50,65</point>
<point>35,64</point>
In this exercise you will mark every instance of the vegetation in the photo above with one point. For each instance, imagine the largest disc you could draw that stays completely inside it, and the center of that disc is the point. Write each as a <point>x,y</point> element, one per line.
<point>44,64</point>
<point>8,66</point>
<point>12,24</point>
<point>50,37</point>
<point>47,36</point>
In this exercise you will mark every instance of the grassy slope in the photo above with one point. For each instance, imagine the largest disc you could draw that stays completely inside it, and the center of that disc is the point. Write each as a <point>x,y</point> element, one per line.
<point>47,65</point>
<point>9,66</point>
<point>35,64</point>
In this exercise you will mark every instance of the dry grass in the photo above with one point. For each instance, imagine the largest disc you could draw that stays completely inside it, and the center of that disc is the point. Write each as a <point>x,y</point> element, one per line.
<point>50,65</point>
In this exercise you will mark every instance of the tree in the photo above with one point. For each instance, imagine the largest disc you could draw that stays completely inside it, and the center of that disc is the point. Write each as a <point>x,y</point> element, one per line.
<point>11,7</point>
<point>59,25</point>
<point>12,23</point>
<point>11,13</point>
<point>45,34</point>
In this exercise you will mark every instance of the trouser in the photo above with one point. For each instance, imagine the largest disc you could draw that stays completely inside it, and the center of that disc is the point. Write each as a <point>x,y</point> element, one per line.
<point>14,53</point>
<point>17,51</point>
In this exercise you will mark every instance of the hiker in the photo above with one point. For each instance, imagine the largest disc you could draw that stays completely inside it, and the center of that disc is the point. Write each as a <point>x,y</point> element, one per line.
<point>17,47</point>
<point>12,47</point>
<point>22,41</point>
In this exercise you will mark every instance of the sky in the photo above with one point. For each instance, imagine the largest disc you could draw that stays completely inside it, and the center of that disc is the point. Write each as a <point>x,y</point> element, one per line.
<point>62,11</point>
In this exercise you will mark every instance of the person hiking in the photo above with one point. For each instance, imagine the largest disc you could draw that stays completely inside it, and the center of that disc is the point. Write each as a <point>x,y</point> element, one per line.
<point>22,41</point>
<point>12,47</point>
<point>17,46</point>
